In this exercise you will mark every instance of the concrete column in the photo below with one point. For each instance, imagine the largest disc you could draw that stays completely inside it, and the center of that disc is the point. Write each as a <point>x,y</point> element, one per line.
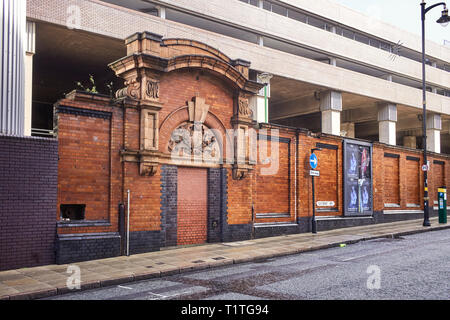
<point>348,129</point>
<point>161,12</point>
<point>29,53</point>
<point>331,107</point>
<point>387,119</point>
<point>434,127</point>
<point>260,40</point>
<point>260,103</point>
<point>388,77</point>
<point>410,142</point>
<point>12,89</point>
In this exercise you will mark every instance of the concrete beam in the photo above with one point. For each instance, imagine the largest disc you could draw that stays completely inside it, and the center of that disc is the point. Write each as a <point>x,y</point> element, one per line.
<point>294,108</point>
<point>362,114</point>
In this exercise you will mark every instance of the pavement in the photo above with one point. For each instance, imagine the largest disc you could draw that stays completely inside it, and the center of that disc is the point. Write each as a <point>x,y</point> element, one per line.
<point>51,280</point>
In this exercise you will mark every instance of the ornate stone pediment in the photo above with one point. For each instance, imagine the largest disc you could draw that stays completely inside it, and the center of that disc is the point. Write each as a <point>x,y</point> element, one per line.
<point>149,57</point>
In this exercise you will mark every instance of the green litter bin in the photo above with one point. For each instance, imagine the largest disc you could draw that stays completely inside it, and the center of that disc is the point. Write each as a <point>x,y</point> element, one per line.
<point>442,204</point>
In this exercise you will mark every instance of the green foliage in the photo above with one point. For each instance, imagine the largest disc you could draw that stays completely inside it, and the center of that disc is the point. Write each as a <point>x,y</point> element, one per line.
<point>92,89</point>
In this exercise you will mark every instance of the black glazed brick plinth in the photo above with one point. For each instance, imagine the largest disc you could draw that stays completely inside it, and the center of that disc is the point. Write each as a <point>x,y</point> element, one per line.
<point>169,198</point>
<point>144,241</point>
<point>28,192</point>
<point>71,248</point>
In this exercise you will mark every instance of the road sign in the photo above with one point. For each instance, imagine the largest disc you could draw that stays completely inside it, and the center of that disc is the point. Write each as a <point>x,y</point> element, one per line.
<point>325,203</point>
<point>314,173</point>
<point>424,167</point>
<point>313,161</point>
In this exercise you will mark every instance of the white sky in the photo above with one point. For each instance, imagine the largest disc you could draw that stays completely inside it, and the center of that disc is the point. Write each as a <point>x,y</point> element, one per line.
<point>404,14</point>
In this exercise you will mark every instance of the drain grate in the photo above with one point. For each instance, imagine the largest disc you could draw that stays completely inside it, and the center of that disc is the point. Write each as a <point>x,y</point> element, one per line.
<point>159,263</point>
<point>198,261</point>
<point>149,267</point>
<point>218,258</point>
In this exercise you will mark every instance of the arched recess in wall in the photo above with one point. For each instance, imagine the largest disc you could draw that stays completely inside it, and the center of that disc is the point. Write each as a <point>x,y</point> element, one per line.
<point>182,127</point>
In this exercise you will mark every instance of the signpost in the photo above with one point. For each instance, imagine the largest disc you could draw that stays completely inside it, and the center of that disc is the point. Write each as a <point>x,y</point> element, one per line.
<point>313,162</point>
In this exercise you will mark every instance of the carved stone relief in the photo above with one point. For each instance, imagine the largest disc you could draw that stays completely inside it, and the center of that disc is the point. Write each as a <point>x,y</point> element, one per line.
<point>244,108</point>
<point>152,89</point>
<point>194,139</point>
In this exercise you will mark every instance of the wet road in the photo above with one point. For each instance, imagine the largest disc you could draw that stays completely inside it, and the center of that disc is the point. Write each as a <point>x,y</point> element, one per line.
<point>412,267</point>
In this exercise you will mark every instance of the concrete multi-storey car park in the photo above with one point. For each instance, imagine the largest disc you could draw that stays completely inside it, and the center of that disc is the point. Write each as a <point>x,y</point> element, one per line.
<point>326,74</point>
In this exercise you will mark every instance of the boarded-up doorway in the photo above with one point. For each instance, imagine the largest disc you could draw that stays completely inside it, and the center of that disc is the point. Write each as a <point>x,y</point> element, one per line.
<point>192,206</point>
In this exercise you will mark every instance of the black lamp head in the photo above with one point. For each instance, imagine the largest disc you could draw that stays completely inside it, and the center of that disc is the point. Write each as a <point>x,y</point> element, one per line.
<point>444,19</point>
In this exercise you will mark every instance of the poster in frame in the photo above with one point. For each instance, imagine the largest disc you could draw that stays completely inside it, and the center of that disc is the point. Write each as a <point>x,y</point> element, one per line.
<point>357,176</point>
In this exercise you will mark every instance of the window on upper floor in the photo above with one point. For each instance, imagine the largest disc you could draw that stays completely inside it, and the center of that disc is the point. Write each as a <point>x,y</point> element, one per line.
<point>297,16</point>
<point>348,34</point>
<point>279,9</point>
<point>317,22</point>
<point>361,38</point>
<point>252,2</point>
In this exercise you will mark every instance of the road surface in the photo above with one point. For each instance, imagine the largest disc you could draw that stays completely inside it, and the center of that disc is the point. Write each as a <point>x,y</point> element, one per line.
<point>412,267</point>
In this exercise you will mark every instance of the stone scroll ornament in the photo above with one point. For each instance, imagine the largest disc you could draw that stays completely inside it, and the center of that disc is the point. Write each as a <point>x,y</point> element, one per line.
<point>132,90</point>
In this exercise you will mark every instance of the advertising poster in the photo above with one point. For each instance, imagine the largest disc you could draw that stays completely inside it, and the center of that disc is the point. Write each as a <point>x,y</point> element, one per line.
<point>357,178</point>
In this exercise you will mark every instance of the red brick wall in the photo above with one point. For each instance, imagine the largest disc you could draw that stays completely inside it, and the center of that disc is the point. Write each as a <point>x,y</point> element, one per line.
<point>192,206</point>
<point>84,150</point>
<point>329,185</point>
<point>91,171</point>
<point>437,180</point>
<point>391,189</point>
<point>413,181</point>
<point>281,182</point>
<point>328,181</point>
<point>89,167</point>
<point>407,178</point>
<point>145,198</point>
<point>240,199</point>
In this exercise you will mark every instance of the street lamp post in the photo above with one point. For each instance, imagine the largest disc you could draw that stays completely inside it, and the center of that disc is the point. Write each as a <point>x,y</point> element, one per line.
<point>443,20</point>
